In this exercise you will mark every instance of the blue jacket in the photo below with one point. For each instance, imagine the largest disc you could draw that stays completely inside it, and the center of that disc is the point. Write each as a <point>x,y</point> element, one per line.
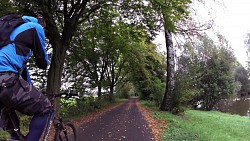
<point>28,38</point>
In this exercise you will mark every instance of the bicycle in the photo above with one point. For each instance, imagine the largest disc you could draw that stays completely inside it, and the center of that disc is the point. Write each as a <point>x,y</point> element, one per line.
<point>64,130</point>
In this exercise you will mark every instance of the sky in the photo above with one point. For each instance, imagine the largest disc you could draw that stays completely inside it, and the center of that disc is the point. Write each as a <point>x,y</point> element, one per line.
<point>231,19</point>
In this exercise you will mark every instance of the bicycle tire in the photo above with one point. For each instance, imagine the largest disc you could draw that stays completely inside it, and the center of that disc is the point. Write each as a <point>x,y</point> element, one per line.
<point>66,135</point>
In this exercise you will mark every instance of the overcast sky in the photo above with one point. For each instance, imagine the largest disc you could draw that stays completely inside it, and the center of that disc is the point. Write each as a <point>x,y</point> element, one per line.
<point>232,20</point>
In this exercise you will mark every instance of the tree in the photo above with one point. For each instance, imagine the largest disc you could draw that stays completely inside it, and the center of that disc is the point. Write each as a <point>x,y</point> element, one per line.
<point>107,50</point>
<point>241,76</point>
<point>247,46</point>
<point>147,72</point>
<point>205,72</point>
<point>170,12</point>
<point>181,24</point>
<point>64,17</point>
<point>187,76</point>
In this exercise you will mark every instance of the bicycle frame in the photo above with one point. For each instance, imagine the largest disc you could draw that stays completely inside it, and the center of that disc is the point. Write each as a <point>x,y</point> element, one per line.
<point>48,125</point>
<point>58,121</point>
<point>58,124</point>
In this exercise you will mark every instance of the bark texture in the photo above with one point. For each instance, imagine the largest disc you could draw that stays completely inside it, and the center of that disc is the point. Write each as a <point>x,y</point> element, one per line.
<point>168,100</point>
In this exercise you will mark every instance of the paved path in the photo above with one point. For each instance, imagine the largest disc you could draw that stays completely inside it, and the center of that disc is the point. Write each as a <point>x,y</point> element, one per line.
<point>124,123</point>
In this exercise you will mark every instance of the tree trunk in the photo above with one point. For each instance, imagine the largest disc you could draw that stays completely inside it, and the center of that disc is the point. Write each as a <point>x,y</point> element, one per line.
<point>111,94</point>
<point>60,41</point>
<point>112,84</point>
<point>55,72</point>
<point>168,100</point>
<point>99,91</point>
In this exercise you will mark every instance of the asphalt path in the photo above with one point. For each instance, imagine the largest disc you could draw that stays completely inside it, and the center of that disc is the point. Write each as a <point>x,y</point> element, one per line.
<point>123,123</point>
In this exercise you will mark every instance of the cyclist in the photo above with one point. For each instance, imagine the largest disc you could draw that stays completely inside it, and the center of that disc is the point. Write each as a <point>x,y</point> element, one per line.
<point>16,89</point>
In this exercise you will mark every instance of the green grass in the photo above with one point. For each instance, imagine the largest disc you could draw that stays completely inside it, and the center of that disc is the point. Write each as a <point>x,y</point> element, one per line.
<point>197,125</point>
<point>24,126</point>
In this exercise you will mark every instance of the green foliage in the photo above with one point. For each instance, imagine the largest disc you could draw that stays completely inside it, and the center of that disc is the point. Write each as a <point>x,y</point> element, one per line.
<point>73,108</point>
<point>241,76</point>
<point>172,12</point>
<point>4,135</point>
<point>125,90</point>
<point>24,125</point>
<point>158,90</point>
<point>204,72</point>
<point>216,81</point>
<point>106,53</point>
<point>107,40</point>
<point>149,104</point>
<point>6,7</point>
<point>147,72</point>
<point>109,58</point>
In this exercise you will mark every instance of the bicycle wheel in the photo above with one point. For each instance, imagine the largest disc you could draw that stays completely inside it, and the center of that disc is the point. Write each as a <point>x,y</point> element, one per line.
<point>66,133</point>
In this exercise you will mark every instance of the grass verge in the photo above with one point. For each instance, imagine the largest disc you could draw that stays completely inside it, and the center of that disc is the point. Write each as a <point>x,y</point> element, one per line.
<point>196,125</point>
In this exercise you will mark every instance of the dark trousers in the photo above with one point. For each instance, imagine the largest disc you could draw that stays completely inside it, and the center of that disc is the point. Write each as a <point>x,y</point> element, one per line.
<point>18,94</point>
